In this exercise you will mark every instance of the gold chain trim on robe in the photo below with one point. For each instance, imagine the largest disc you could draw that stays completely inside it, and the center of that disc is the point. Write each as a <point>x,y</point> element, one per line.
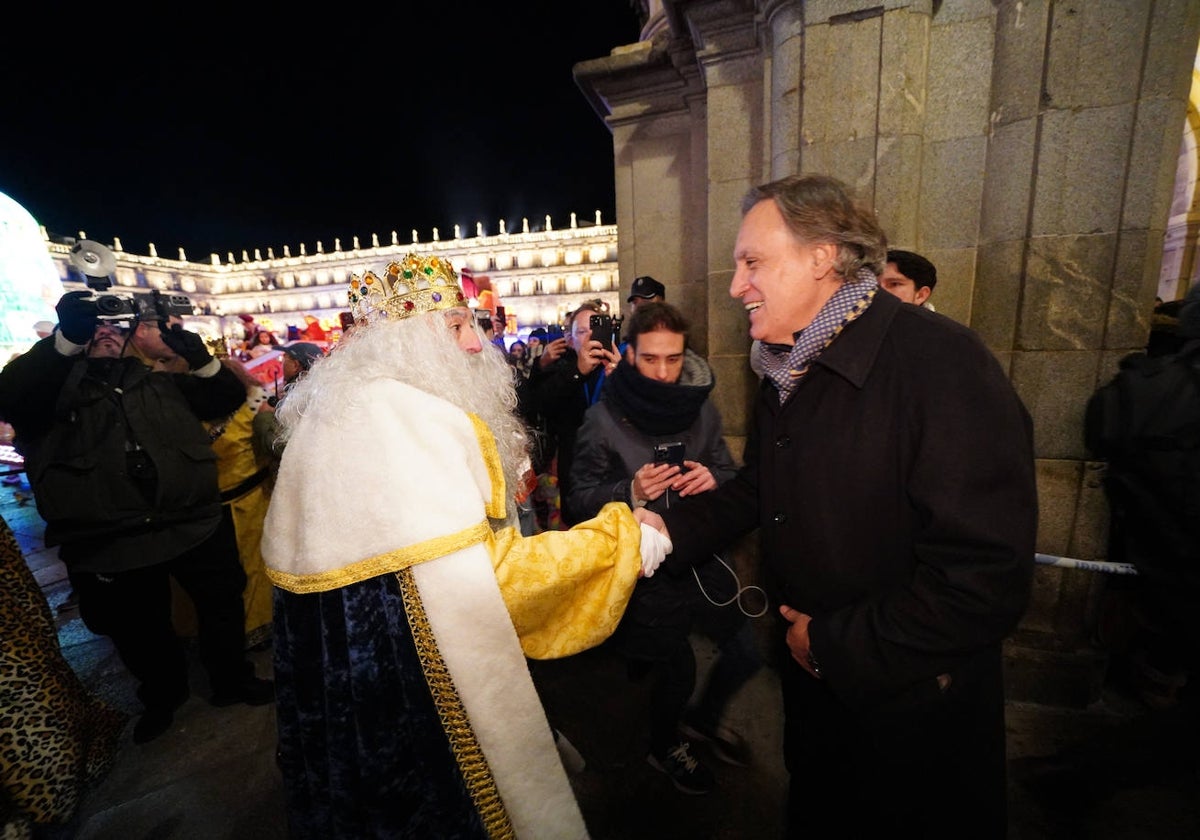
<point>380,564</point>
<point>471,761</point>
<point>491,457</point>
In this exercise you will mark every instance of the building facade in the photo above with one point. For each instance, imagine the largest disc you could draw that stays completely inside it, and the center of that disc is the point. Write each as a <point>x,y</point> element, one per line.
<point>537,275</point>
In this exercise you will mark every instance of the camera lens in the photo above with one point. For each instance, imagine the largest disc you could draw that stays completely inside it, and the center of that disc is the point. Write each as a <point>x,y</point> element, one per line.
<point>110,305</point>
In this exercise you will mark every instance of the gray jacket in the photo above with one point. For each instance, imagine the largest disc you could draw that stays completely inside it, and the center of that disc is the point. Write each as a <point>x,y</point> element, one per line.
<point>634,413</point>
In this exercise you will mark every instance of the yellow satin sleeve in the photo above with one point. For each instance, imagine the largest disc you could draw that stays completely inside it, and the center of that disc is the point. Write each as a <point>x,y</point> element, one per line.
<point>567,590</point>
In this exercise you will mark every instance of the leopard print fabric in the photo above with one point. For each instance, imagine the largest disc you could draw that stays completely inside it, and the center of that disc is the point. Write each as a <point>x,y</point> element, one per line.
<point>55,738</point>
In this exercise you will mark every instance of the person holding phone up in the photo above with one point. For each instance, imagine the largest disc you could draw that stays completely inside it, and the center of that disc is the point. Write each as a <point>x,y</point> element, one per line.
<point>566,380</point>
<point>655,436</point>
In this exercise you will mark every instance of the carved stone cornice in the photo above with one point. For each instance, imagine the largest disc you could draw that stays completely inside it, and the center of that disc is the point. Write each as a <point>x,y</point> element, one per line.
<point>649,78</point>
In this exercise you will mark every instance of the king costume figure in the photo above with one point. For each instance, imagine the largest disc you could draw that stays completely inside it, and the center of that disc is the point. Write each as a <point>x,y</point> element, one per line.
<point>407,602</point>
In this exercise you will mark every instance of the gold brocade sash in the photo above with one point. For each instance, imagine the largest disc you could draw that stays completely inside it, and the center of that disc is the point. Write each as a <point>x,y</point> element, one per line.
<point>391,561</point>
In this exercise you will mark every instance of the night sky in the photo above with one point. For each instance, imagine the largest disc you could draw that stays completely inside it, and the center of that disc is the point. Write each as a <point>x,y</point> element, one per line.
<point>217,135</point>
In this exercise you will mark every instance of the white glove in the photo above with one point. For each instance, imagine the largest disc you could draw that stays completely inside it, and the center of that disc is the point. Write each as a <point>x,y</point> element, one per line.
<point>655,547</point>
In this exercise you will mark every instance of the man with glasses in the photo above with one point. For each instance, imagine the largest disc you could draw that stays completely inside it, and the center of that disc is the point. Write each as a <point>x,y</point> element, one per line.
<point>568,378</point>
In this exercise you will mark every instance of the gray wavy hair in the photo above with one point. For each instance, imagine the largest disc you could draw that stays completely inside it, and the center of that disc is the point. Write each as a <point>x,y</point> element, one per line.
<point>820,208</point>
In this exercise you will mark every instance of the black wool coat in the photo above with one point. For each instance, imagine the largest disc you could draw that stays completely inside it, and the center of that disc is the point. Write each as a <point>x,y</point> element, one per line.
<point>895,499</point>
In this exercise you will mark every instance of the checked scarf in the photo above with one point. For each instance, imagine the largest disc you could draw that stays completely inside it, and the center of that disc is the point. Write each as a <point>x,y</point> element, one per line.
<point>785,365</point>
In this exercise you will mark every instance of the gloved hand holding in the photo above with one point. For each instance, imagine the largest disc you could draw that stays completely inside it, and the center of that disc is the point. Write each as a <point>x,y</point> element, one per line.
<point>655,547</point>
<point>76,317</point>
<point>186,344</point>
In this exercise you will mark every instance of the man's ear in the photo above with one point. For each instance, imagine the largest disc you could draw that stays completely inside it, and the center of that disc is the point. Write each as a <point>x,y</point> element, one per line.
<point>823,255</point>
<point>922,295</point>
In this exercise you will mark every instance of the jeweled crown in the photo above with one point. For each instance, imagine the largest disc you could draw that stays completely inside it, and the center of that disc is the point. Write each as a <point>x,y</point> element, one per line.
<point>411,286</point>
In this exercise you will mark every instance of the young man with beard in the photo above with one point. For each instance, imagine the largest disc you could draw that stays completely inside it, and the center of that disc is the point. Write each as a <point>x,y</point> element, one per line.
<point>658,395</point>
<point>890,474</point>
<point>406,605</point>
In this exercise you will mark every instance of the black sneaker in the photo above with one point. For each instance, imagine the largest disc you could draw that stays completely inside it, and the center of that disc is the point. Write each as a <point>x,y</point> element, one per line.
<point>252,691</point>
<point>725,744</point>
<point>686,772</point>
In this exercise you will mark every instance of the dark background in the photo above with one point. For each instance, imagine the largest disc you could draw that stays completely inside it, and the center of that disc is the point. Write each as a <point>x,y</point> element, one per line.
<point>218,134</point>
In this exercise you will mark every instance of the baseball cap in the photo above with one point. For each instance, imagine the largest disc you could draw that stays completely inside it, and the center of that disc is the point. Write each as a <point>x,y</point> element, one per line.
<point>304,353</point>
<point>646,287</point>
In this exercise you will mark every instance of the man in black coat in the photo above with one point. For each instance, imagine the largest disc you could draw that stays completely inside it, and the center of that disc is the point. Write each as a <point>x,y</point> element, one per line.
<point>889,468</point>
<point>125,477</point>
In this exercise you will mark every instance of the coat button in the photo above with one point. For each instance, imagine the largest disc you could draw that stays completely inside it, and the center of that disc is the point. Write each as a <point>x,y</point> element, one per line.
<point>783,442</point>
<point>780,518</point>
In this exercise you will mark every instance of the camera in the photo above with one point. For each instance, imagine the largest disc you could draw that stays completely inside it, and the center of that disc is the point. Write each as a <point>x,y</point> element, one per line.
<point>96,262</point>
<point>135,306</point>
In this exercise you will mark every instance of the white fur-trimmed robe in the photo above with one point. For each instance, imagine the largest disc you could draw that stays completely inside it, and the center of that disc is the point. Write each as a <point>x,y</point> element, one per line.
<point>422,481</point>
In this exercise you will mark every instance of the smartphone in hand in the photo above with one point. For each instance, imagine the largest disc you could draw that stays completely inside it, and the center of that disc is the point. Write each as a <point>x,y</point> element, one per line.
<point>669,453</point>
<point>602,330</point>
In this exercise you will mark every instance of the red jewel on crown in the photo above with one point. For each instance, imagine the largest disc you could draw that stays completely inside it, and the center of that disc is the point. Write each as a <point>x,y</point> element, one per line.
<point>408,306</point>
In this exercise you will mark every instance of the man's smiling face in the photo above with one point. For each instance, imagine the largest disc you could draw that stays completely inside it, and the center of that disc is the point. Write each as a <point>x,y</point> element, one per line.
<point>777,278</point>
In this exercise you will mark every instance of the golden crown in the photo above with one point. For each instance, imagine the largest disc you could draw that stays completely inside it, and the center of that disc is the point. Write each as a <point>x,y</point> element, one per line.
<point>411,286</point>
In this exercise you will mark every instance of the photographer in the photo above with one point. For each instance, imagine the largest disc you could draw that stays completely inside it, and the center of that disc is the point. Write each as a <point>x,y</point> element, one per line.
<point>124,475</point>
<point>567,378</point>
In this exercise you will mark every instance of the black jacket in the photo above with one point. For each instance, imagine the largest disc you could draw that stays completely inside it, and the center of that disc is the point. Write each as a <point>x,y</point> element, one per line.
<point>895,498</point>
<point>121,468</point>
<point>561,395</point>
<point>617,438</point>
<point>895,501</point>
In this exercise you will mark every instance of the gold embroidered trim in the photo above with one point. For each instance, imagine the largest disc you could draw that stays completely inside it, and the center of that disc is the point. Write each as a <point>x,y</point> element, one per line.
<point>491,457</point>
<point>391,561</point>
<point>467,752</point>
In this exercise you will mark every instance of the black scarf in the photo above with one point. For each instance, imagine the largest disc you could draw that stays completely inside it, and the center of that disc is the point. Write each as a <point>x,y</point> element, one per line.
<point>660,408</point>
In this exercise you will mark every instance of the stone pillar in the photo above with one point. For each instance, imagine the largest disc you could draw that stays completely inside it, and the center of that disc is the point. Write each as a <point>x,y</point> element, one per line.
<point>1086,109</point>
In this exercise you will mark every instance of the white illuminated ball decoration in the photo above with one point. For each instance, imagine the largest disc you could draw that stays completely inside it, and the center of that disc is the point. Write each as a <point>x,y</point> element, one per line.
<point>29,282</point>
